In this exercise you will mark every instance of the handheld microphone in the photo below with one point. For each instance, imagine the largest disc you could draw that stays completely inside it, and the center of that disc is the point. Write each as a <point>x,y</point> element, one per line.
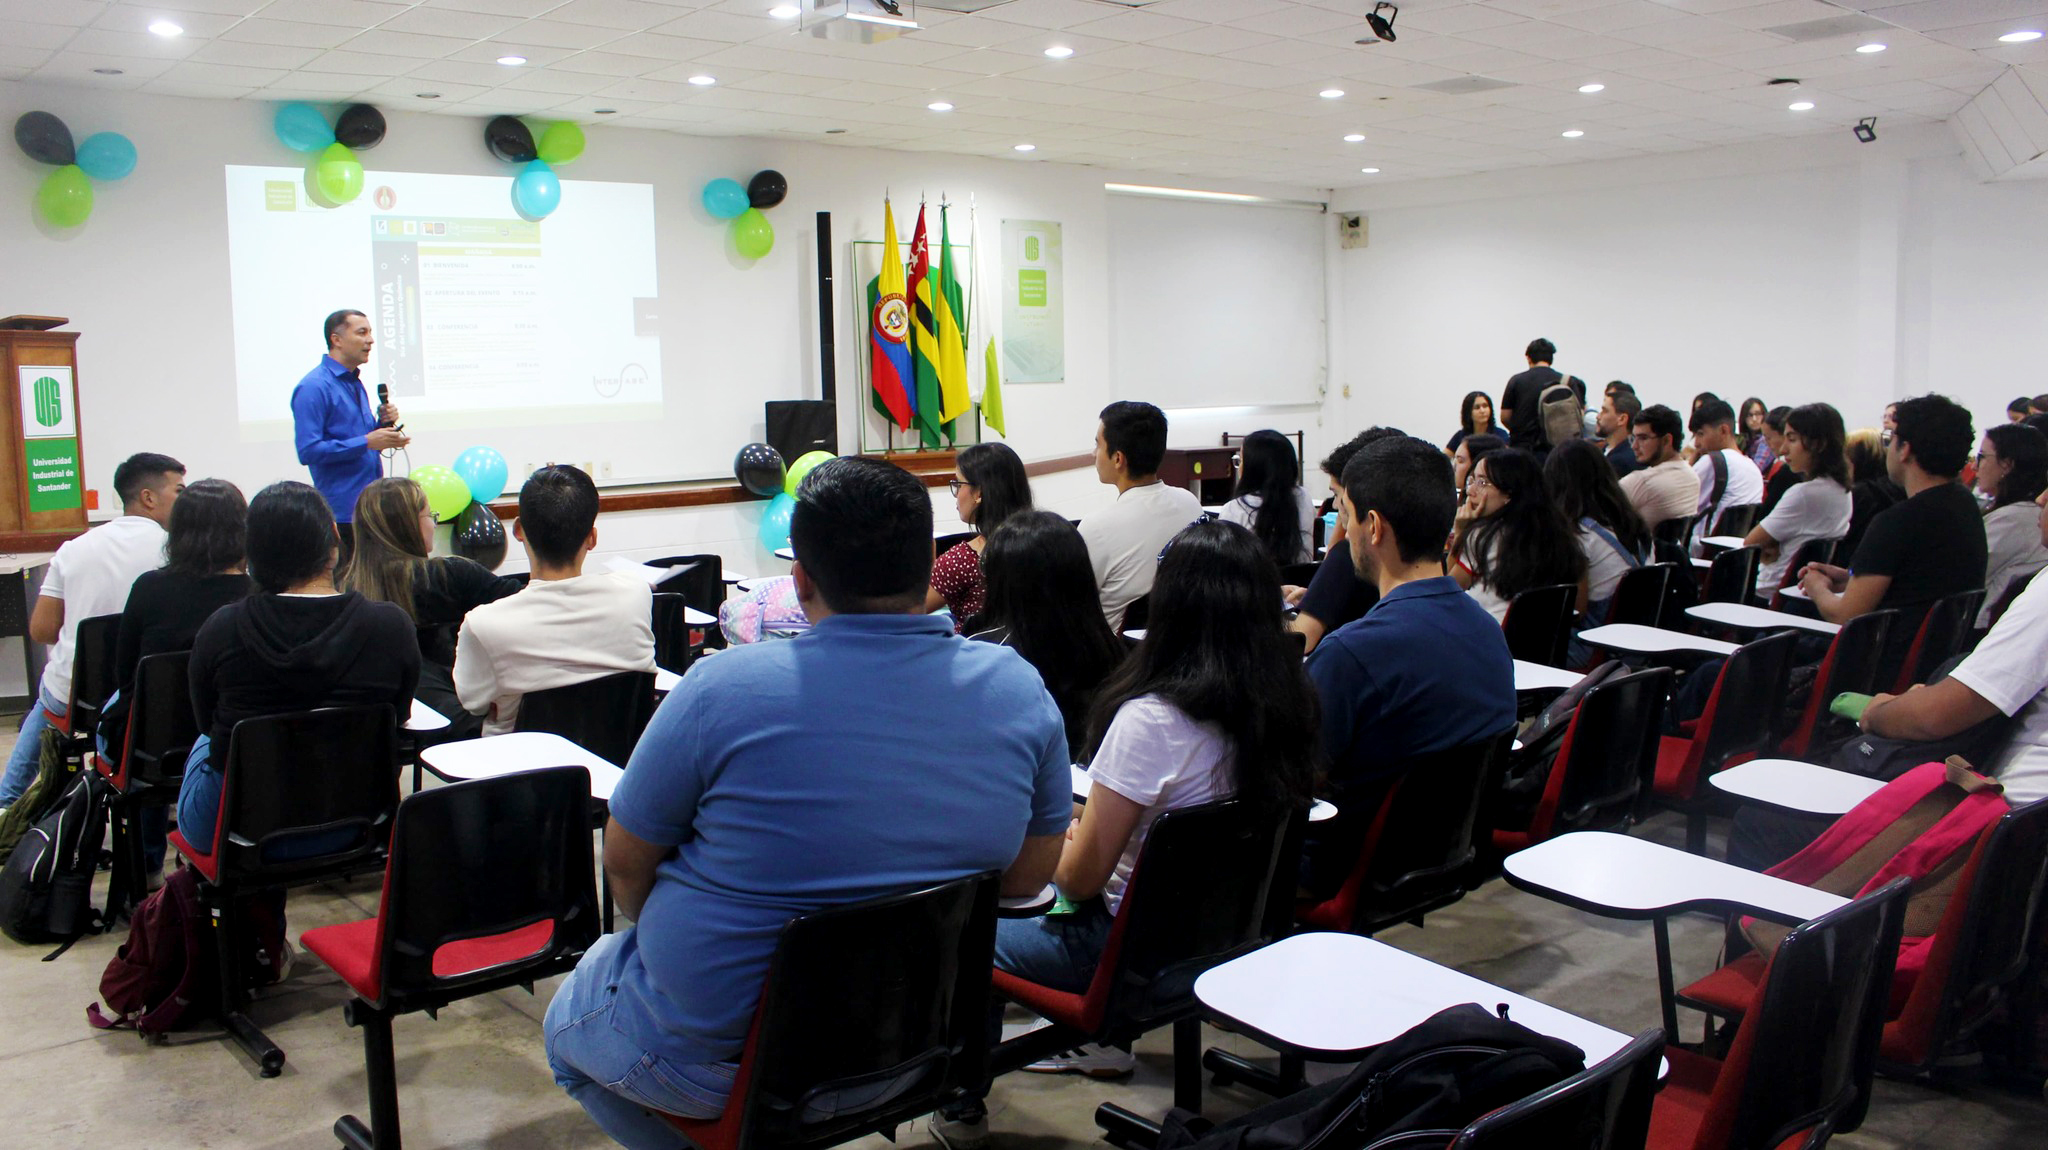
<point>383,401</point>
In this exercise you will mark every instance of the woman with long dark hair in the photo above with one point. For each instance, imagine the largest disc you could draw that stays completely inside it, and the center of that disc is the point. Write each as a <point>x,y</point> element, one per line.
<point>1515,539</point>
<point>1041,601</point>
<point>1778,478</point>
<point>1475,417</point>
<point>1469,453</point>
<point>989,486</point>
<point>1271,502</point>
<point>2012,468</point>
<point>1816,507</point>
<point>1749,433</point>
<point>1609,531</point>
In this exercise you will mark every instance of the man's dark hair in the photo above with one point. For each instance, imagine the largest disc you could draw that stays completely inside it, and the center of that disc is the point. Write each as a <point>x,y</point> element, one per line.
<point>2021,406</point>
<point>208,529</point>
<point>2039,404</point>
<point>1622,387</point>
<point>557,509</point>
<point>862,530</point>
<point>1661,420</point>
<point>143,469</point>
<point>1625,403</point>
<point>1410,484</point>
<point>1139,431</point>
<point>1333,464</point>
<point>1540,351</point>
<point>1940,432</point>
<point>1712,413</point>
<point>335,321</point>
<point>291,536</point>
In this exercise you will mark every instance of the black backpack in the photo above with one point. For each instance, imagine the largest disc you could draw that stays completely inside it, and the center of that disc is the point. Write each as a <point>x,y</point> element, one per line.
<point>46,886</point>
<point>1417,1090</point>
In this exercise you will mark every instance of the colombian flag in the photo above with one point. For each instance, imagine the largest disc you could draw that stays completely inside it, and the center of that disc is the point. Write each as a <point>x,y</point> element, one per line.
<point>889,332</point>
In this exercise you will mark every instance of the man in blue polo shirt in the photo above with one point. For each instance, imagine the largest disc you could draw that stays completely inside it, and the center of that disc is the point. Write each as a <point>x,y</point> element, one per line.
<point>1426,669</point>
<point>337,437</point>
<point>877,752</point>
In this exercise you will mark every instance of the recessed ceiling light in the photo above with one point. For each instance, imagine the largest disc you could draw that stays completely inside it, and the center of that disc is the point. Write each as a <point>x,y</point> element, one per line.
<point>1059,51</point>
<point>1370,171</point>
<point>108,71</point>
<point>1573,134</point>
<point>1801,106</point>
<point>166,29</point>
<point>1868,49</point>
<point>426,95</point>
<point>1589,89</point>
<point>939,106</point>
<point>785,12</point>
<point>1027,147</point>
<point>703,81</point>
<point>1354,138</point>
<point>1331,93</point>
<point>511,61</point>
<point>2019,37</point>
<point>604,111</point>
<point>835,131</point>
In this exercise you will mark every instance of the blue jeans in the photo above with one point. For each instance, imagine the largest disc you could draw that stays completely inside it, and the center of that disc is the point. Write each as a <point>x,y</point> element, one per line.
<point>1058,952</point>
<point>21,766</point>
<point>610,1076</point>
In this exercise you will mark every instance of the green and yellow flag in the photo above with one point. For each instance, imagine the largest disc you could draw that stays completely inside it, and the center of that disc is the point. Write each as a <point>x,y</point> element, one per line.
<point>950,304</point>
<point>924,341</point>
<point>992,391</point>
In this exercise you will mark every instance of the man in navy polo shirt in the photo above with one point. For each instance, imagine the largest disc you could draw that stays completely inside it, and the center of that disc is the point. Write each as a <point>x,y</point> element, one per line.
<point>1425,670</point>
<point>338,439</point>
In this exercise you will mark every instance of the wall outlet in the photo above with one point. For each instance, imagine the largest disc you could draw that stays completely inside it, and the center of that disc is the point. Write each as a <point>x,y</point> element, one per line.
<point>1351,230</point>
<point>605,469</point>
<point>1347,391</point>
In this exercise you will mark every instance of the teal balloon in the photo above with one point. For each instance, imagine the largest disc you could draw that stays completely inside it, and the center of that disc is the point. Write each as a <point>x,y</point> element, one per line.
<point>106,155</point>
<point>302,128</point>
<point>752,234</point>
<point>775,521</point>
<point>535,190</point>
<point>725,199</point>
<point>484,470</point>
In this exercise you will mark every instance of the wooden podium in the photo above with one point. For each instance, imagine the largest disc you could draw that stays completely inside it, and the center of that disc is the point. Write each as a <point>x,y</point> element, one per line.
<point>42,485</point>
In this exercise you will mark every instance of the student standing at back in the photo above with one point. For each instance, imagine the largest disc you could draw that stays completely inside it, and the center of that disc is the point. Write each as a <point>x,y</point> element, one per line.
<point>1124,539</point>
<point>1521,402</point>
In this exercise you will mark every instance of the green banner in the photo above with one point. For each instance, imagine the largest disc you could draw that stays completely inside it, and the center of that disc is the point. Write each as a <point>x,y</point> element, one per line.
<point>53,483</point>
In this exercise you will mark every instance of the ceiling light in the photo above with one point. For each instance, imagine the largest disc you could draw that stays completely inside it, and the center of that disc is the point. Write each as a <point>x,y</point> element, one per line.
<point>108,71</point>
<point>1573,134</point>
<point>426,95</point>
<point>703,81</point>
<point>1382,26</point>
<point>785,12</point>
<point>939,106</point>
<point>2019,37</point>
<point>1331,93</point>
<point>1869,49</point>
<point>166,29</point>
<point>604,111</point>
<point>1801,106</point>
<point>1059,51</point>
<point>1370,171</point>
<point>1354,138</point>
<point>1589,89</point>
<point>1027,147</point>
<point>511,61</point>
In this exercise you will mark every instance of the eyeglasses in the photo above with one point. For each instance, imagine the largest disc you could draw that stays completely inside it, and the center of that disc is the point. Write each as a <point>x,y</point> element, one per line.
<point>1478,481</point>
<point>954,485</point>
<point>1984,457</point>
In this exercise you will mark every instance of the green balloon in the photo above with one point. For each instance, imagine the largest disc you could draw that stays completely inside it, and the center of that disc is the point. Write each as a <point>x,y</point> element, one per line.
<point>65,198</point>
<point>802,467</point>
<point>562,142</point>
<point>338,174</point>
<point>446,493</point>
<point>752,234</point>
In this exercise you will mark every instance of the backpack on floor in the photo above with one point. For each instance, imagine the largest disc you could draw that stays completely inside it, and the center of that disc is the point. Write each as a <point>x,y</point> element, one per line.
<point>167,974</point>
<point>1417,1090</point>
<point>1561,412</point>
<point>46,886</point>
<point>54,772</point>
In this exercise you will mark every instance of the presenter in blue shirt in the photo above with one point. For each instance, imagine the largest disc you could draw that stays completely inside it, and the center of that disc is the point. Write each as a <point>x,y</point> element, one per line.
<point>338,439</point>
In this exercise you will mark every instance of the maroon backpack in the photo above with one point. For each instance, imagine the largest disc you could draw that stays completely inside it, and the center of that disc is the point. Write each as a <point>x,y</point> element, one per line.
<point>165,975</point>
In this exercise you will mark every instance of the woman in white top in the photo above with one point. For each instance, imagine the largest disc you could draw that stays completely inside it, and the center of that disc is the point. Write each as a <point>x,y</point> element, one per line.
<point>2012,468</point>
<point>1818,506</point>
<point>1611,534</point>
<point>1271,502</point>
<point>1510,537</point>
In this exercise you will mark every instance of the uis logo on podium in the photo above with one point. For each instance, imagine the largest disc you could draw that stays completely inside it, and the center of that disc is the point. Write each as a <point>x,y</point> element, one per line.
<point>49,401</point>
<point>49,444</point>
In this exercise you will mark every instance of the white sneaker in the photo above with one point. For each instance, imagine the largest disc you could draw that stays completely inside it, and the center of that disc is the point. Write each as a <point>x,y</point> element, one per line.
<point>1092,1060</point>
<point>956,1134</point>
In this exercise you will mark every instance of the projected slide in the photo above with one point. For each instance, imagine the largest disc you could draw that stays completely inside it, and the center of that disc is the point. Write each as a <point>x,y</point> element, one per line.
<point>481,318</point>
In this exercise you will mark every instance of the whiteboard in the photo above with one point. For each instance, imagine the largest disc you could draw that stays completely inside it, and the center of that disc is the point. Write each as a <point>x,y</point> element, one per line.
<point>1211,303</point>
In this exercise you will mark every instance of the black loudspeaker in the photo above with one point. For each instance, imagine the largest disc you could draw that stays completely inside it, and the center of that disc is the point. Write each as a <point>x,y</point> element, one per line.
<point>797,427</point>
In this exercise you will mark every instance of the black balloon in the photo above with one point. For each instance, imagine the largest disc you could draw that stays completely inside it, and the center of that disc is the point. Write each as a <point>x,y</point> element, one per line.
<point>760,469</point>
<point>480,535</point>
<point>44,137</point>
<point>510,140</point>
<point>767,188</point>
<point>360,126</point>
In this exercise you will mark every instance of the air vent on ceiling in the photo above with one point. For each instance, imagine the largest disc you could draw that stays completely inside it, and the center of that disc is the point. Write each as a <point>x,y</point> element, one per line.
<point>1466,85</point>
<point>961,5</point>
<point>1828,28</point>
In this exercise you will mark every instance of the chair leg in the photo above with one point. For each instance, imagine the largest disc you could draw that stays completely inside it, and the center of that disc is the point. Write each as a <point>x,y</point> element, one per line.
<point>233,994</point>
<point>1231,1068</point>
<point>1126,1128</point>
<point>1696,831</point>
<point>1187,1064</point>
<point>380,1069</point>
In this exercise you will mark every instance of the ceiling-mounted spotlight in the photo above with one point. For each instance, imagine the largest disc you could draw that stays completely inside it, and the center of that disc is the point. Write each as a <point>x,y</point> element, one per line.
<point>1382,26</point>
<point>1866,129</point>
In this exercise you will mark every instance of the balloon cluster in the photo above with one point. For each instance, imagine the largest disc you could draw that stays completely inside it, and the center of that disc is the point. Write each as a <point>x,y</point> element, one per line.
<point>759,469</point>
<point>337,174</point>
<point>726,200</point>
<point>461,494</point>
<point>535,190</point>
<point>65,199</point>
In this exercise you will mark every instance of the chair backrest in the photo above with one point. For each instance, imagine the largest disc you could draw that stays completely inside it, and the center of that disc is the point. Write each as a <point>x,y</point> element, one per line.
<point>1811,551</point>
<point>2003,918</point>
<point>161,727</point>
<point>603,716</point>
<point>1941,634</point>
<point>671,631</point>
<point>92,670</point>
<point>1805,1056</point>
<point>1737,722</point>
<point>1641,594</point>
<point>1538,624</point>
<point>702,586</point>
<point>891,992</point>
<point>289,778</point>
<point>1736,520</point>
<point>1607,763</point>
<point>1606,1106</point>
<point>1732,578</point>
<point>486,877</point>
<point>1675,530</point>
<point>1136,612</point>
<point>1851,665</point>
<point>1298,574</point>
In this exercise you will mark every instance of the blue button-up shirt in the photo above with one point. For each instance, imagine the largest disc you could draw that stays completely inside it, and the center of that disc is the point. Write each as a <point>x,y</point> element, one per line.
<point>331,422</point>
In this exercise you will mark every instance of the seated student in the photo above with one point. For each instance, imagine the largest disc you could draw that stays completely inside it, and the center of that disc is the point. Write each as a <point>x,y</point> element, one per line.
<point>776,779</point>
<point>565,627</point>
<point>1816,507</point>
<point>1468,455</point>
<point>1475,417</point>
<point>1778,478</point>
<point>1727,477</point>
<point>1039,590</point>
<point>1124,538</point>
<point>989,486</point>
<point>1426,669</point>
<point>1270,501</point>
<point>1618,410</point>
<point>2012,469</point>
<point>1664,487</point>
<point>1511,538</point>
<point>1871,490</point>
<point>1336,595</point>
<point>2018,410</point>
<point>1610,534</point>
<point>394,562</point>
<point>297,644</point>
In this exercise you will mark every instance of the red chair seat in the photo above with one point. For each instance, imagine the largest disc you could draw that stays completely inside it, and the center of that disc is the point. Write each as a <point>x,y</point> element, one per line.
<point>350,950</point>
<point>207,865</point>
<point>61,722</point>
<point>1510,841</point>
<point>1681,1107</point>
<point>1672,752</point>
<point>1080,1011</point>
<point>1732,989</point>
<point>469,955</point>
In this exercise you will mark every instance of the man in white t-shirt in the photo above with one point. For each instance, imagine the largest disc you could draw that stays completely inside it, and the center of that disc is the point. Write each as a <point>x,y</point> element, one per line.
<point>88,577</point>
<point>565,627</point>
<point>1125,539</point>
<point>1713,434</point>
